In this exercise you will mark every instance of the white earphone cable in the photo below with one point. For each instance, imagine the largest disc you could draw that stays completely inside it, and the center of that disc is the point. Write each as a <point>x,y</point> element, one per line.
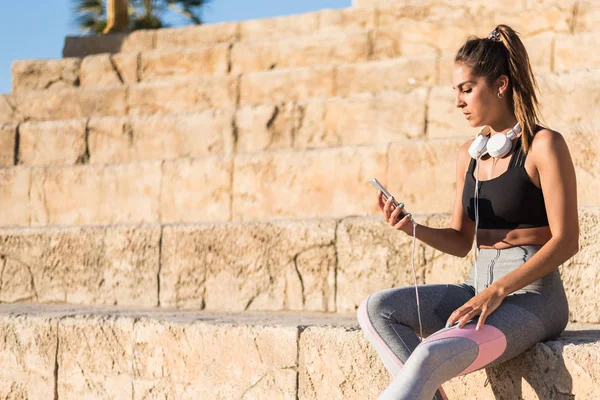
<point>414,223</point>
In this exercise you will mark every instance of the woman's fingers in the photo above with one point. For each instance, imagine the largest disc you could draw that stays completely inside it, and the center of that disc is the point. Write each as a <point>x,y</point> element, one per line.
<point>387,209</point>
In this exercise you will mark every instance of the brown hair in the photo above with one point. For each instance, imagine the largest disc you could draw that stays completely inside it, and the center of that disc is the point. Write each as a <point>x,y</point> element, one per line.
<point>492,58</point>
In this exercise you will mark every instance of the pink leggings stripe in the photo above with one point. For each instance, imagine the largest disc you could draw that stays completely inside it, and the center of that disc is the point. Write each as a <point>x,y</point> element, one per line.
<point>366,325</point>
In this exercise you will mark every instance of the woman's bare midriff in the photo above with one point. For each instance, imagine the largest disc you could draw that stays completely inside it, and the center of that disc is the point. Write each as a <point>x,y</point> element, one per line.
<point>506,238</point>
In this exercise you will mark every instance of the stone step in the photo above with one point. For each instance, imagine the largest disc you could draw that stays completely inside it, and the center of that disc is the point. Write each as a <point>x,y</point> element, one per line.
<point>325,264</point>
<point>388,116</point>
<point>582,17</point>
<point>550,28</point>
<point>189,355</point>
<point>255,88</point>
<point>302,183</point>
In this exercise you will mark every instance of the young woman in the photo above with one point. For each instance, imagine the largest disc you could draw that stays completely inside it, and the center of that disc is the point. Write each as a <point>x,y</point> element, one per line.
<point>526,211</point>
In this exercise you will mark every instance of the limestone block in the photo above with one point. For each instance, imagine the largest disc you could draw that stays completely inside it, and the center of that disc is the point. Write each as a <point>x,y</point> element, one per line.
<point>360,120</point>
<point>95,265</point>
<point>82,195</point>
<point>82,46</point>
<point>346,19</point>
<point>372,256</point>
<point>196,189</point>
<point>569,49</point>
<point>182,95</point>
<point>155,137</point>
<point>391,14</point>
<point>474,8</point>
<point>15,183</point>
<point>53,142</point>
<point>296,25</point>
<point>377,76</point>
<point>333,363</point>
<point>81,372</point>
<point>69,103</point>
<point>566,5</point>
<point>276,86</point>
<point>588,16</point>
<point>584,145</point>
<point>8,136</point>
<point>200,35</point>
<point>317,183</point>
<point>262,266</point>
<point>540,19</point>
<point>8,112</point>
<point>569,97</point>
<point>265,127</point>
<point>45,74</point>
<point>27,359</point>
<point>164,63</point>
<point>191,359</point>
<point>423,174</point>
<point>323,49</point>
<point>109,70</point>
<point>579,274</point>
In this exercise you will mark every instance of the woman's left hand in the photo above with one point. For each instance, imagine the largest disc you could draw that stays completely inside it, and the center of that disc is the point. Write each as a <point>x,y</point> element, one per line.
<point>483,304</point>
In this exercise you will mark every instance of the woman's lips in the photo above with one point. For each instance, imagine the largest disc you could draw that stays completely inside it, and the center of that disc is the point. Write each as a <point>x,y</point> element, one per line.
<point>467,115</point>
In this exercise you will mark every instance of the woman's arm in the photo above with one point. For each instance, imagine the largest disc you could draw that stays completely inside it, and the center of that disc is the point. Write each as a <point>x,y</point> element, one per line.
<point>557,177</point>
<point>456,240</point>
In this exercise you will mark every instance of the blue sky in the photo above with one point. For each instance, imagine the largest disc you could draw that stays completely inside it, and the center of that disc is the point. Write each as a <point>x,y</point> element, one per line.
<point>36,29</point>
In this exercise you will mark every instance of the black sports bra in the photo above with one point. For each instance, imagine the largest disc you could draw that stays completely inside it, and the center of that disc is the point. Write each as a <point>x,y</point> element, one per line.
<point>509,201</point>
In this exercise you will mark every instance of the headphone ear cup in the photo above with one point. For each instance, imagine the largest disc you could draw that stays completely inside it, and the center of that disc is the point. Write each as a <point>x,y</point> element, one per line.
<point>499,146</point>
<point>478,146</point>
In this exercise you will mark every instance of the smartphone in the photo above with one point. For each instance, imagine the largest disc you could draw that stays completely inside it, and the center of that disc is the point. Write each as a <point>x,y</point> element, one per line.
<point>386,195</point>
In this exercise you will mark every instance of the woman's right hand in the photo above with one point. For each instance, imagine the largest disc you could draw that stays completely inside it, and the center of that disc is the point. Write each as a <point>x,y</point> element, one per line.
<point>391,213</point>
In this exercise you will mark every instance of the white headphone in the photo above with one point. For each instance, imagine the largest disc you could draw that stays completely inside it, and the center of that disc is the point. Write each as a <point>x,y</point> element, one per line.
<point>496,146</point>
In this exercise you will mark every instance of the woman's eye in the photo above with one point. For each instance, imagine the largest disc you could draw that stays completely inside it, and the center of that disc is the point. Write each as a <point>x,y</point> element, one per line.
<point>467,91</point>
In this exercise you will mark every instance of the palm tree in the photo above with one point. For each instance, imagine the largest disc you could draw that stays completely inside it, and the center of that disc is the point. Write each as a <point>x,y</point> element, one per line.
<point>90,15</point>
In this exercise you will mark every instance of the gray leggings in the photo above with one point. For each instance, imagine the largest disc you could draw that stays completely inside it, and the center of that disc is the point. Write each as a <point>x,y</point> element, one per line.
<point>389,320</point>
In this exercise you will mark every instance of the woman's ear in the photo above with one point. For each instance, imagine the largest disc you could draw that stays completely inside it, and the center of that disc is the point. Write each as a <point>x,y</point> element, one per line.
<point>502,83</point>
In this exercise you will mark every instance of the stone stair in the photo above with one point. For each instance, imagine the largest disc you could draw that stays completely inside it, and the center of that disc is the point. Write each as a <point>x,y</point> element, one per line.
<point>181,200</point>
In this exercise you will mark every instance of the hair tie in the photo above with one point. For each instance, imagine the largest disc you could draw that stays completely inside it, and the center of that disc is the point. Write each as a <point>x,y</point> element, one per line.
<point>495,35</point>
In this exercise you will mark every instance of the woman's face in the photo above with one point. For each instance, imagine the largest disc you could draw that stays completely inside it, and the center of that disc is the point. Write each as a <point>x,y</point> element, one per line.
<point>477,101</point>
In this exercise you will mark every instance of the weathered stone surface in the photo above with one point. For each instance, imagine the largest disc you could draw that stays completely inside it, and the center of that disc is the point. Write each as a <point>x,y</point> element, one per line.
<point>209,34</point>
<point>196,190</point>
<point>7,109</point>
<point>82,46</point>
<point>67,104</point>
<point>14,196</point>
<point>163,63</point>
<point>588,16</point>
<point>473,7</point>
<point>8,134</point>
<point>155,137</point>
<point>323,49</point>
<point>81,372</point>
<point>346,19</point>
<point>265,127</point>
<point>80,195</point>
<point>109,69</point>
<point>45,74</point>
<point>27,359</point>
<point>377,76</point>
<point>423,174</point>
<point>272,28</point>
<point>362,119</point>
<point>372,256</point>
<point>262,266</point>
<point>182,95</point>
<point>94,265</point>
<point>333,363</point>
<point>52,143</point>
<point>270,87</point>
<point>570,48</point>
<point>580,276</point>
<point>323,182</point>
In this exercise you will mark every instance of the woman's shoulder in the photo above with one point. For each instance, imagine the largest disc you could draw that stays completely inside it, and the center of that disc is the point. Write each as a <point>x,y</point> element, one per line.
<point>545,140</point>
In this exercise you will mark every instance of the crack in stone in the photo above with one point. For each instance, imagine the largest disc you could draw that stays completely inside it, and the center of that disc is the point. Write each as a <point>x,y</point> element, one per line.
<point>115,68</point>
<point>229,58</point>
<point>52,82</point>
<point>160,246</point>
<point>17,144</point>
<point>299,122</point>
<point>56,362</point>
<point>575,18</point>
<point>85,157</point>
<point>337,262</point>
<point>269,126</point>
<point>138,69</point>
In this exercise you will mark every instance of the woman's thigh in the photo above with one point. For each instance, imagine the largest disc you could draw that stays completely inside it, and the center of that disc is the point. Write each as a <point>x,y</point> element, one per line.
<point>436,303</point>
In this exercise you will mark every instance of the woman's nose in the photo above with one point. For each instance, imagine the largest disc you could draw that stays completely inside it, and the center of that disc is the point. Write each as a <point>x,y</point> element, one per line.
<point>459,102</point>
